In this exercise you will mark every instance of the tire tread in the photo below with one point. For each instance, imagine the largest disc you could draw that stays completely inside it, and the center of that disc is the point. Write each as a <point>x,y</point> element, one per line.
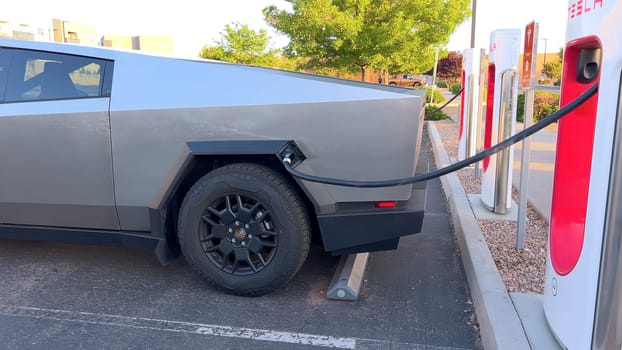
<point>293,198</point>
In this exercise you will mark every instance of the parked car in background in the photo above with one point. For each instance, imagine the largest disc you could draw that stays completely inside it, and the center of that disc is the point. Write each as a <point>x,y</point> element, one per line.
<point>175,156</point>
<point>407,80</point>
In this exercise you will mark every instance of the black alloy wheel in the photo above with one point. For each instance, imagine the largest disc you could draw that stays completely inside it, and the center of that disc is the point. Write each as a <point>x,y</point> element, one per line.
<point>244,228</point>
<point>238,235</point>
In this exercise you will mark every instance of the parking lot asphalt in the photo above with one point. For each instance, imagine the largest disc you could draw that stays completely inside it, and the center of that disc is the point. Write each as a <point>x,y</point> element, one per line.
<point>58,296</point>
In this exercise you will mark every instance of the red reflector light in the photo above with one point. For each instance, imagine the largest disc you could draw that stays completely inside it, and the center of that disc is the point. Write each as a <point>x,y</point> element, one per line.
<point>385,204</point>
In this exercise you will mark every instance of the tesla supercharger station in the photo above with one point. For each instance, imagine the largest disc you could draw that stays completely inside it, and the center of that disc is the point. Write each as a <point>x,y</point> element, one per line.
<point>468,105</point>
<point>583,285</point>
<point>502,92</point>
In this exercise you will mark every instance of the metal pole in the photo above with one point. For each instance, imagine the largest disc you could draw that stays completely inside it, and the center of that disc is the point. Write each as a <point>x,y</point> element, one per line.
<point>470,142</point>
<point>473,17</point>
<point>545,42</point>
<point>524,171</point>
<point>505,131</point>
<point>525,151</point>
<point>434,74</point>
<point>544,63</point>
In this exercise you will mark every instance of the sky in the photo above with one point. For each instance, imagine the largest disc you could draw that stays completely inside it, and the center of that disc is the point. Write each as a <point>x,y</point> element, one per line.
<point>194,23</point>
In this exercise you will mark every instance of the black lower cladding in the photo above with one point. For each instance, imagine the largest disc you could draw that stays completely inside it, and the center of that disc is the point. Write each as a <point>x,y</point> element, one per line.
<point>135,240</point>
<point>372,230</point>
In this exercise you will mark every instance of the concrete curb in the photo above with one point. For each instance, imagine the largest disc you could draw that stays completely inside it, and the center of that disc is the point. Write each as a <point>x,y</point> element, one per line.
<point>500,325</point>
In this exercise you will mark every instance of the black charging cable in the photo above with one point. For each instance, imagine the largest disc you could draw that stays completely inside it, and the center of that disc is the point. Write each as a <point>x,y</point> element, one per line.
<point>453,167</point>
<point>446,103</point>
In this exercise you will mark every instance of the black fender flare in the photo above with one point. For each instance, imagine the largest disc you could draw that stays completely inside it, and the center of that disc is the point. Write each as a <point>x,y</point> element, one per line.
<point>163,206</point>
<point>195,149</point>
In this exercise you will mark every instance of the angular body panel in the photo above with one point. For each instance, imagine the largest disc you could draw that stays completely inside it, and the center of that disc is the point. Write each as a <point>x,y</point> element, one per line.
<point>379,150</point>
<point>57,164</point>
<point>119,148</point>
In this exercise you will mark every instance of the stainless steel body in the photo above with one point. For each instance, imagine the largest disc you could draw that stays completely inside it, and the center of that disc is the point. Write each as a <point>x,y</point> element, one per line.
<point>346,129</point>
<point>57,164</point>
<point>347,150</point>
<point>112,162</point>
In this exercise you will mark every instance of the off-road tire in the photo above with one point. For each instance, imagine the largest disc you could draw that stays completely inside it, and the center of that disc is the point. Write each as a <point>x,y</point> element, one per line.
<point>259,185</point>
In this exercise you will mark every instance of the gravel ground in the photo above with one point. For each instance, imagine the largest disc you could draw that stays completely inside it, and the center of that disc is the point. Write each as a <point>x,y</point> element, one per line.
<point>521,270</point>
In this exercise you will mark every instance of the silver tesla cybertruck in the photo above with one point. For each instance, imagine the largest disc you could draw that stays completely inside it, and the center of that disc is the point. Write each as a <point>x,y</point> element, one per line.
<point>175,156</point>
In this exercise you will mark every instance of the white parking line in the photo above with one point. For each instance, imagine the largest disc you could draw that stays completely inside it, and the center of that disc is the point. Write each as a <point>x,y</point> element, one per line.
<point>207,329</point>
<point>181,327</point>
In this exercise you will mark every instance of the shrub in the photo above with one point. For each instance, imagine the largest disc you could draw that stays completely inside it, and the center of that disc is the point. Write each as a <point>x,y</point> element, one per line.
<point>438,115</point>
<point>441,84</point>
<point>454,88</point>
<point>545,103</point>
<point>520,108</point>
<point>438,96</point>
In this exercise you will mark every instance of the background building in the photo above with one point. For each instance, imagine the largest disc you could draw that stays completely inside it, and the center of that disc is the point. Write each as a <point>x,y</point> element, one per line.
<point>73,32</point>
<point>23,31</point>
<point>150,43</point>
<point>117,41</point>
<point>154,43</point>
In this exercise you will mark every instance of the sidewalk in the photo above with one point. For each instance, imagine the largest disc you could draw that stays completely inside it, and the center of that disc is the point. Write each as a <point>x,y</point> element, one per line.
<point>507,320</point>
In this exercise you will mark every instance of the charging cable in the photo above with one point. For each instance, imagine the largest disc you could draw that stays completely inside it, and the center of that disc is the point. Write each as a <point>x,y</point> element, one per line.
<point>446,103</point>
<point>287,161</point>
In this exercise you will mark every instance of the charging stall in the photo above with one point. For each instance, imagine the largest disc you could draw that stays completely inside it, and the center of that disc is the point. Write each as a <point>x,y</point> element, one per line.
<point>501,99</point>
<point>468,105</point>
<point>583,285</point>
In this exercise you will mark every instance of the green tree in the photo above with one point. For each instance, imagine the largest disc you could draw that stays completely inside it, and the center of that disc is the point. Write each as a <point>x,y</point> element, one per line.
<point>351,35</point>
<point>286,63</point>
<point>240,44</point>
<point>553,69</point>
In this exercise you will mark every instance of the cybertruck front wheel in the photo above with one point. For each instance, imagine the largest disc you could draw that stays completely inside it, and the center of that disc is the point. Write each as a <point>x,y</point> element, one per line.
<point>244,228</point>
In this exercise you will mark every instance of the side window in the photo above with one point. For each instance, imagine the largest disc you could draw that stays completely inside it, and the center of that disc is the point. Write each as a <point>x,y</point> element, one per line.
<point>5,57</point>
<point>36,75</point>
